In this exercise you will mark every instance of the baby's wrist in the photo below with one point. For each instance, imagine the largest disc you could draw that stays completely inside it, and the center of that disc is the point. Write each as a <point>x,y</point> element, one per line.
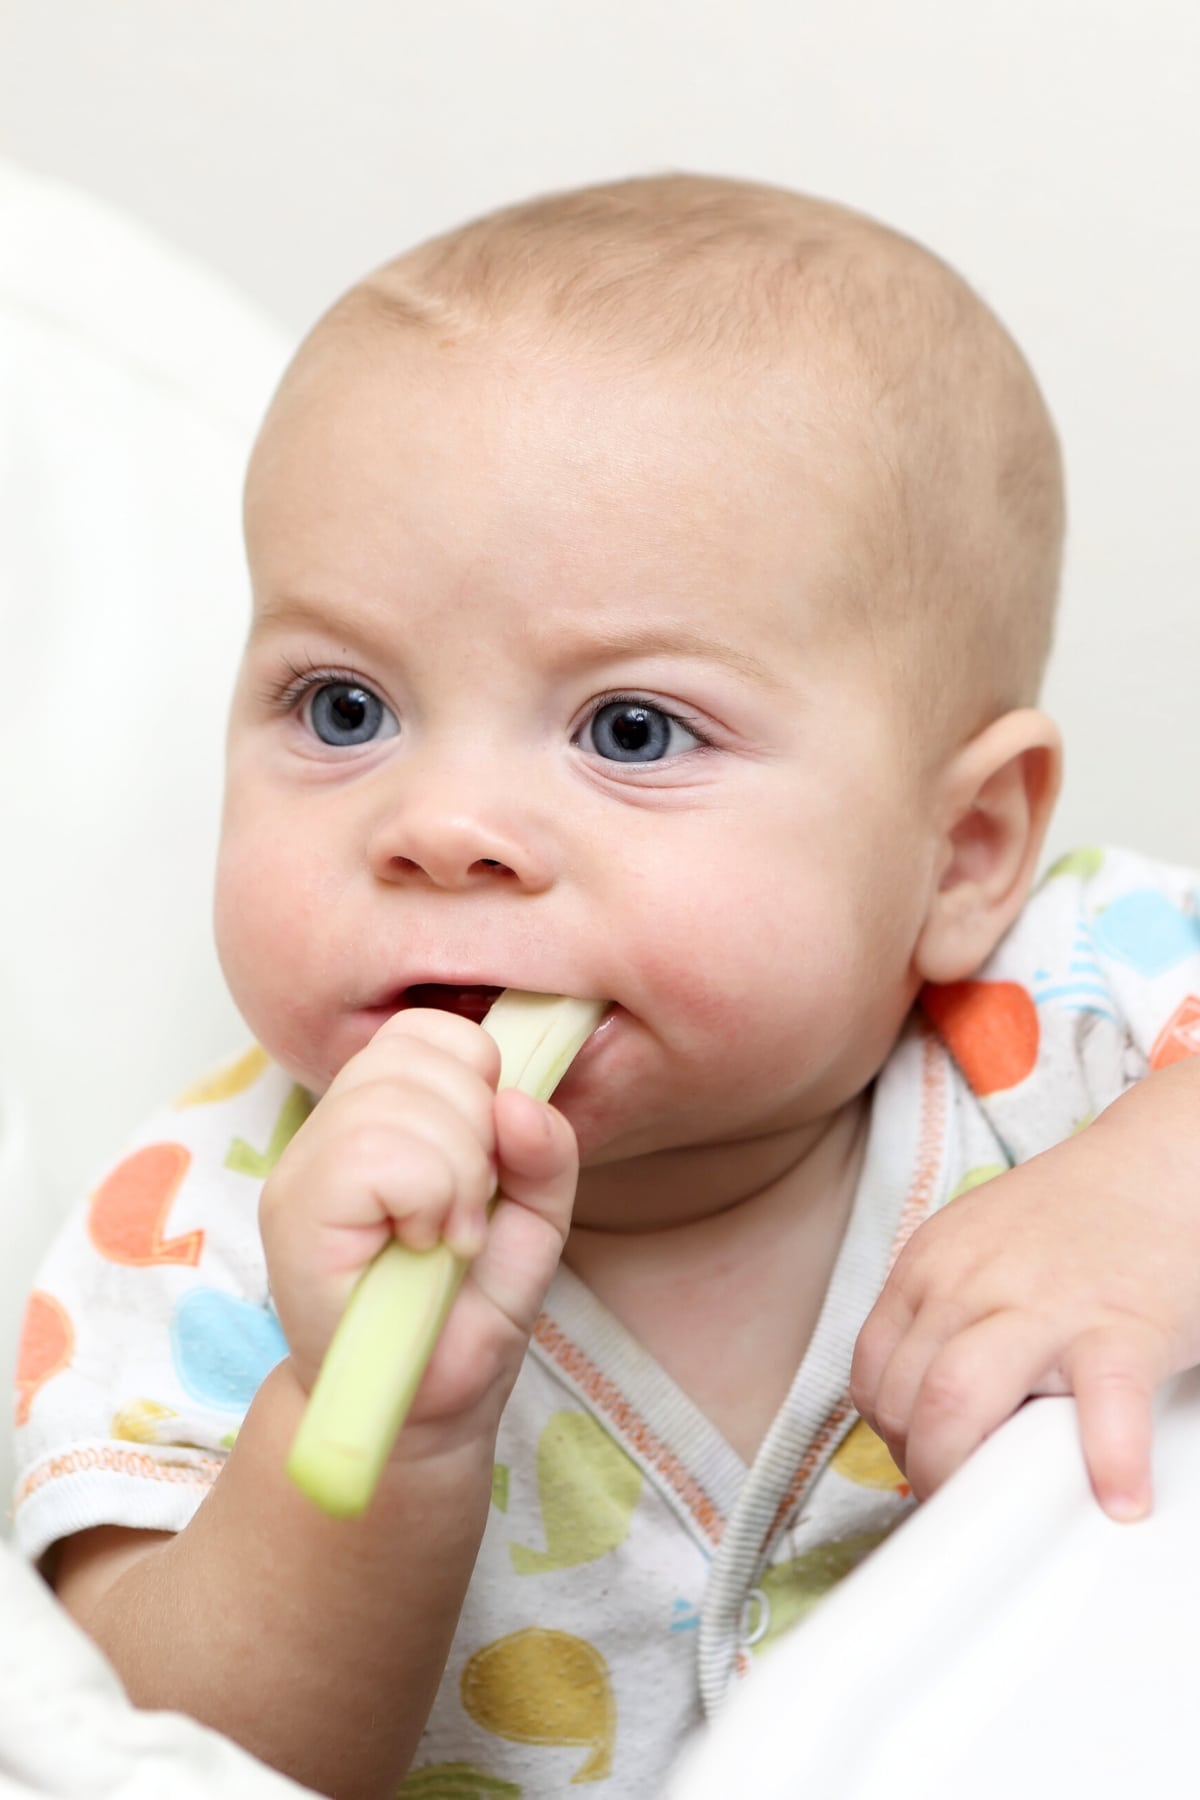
<point>457,1453</point>
<point>462,1444</point>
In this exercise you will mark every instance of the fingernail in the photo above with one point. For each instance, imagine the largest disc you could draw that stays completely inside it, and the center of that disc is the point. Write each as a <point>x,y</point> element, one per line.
<point>470,1237</point>
<point>1126,1509</point>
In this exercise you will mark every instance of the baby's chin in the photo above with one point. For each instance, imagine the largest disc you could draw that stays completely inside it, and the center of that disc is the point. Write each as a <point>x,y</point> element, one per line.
<point>313,1066</point>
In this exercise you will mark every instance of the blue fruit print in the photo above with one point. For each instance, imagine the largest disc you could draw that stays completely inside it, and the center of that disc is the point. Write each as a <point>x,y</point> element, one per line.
<point>224,1348</point>
<point>1147,932</point>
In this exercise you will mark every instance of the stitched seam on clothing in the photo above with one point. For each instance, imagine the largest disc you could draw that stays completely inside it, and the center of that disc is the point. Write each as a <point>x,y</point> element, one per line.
<point>914,1210</point>
<point>933,1129</point>
<point>627,1423</point>
<point>119,1462</point>
<point>813,1459</point>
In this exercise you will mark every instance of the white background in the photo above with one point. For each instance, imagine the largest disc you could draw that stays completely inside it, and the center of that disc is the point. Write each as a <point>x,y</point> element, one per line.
<point>1049,148</point>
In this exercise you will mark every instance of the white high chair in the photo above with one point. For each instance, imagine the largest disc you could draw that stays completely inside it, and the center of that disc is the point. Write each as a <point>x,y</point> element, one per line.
<point>131,383</point>
<point>1008,1641</point>
<point>130,386</point>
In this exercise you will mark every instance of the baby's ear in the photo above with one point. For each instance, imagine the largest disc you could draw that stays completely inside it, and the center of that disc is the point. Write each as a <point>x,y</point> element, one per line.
<point>996,798</point>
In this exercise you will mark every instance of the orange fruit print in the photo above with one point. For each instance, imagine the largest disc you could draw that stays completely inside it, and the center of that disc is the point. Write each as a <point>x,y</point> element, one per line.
<point>129,1210</point>
<point>47,1342</point>
<point>990,1028</point>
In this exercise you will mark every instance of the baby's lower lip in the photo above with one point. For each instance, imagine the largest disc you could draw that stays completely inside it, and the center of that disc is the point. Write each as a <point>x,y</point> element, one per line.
<point>468,1002</point>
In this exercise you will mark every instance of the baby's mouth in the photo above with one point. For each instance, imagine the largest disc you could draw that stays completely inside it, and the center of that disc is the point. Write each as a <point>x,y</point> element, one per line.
<point>468,1002</point>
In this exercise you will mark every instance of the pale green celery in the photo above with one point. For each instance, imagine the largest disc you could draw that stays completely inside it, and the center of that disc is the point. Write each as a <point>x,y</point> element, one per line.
<point>378,1353</point>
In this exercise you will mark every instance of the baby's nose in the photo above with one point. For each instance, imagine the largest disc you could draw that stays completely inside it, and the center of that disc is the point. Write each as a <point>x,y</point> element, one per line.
<point>475,840</point>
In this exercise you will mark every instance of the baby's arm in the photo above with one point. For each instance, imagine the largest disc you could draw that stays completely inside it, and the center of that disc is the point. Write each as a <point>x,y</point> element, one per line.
<point>1078,1272</point>
<point>319,1643</point>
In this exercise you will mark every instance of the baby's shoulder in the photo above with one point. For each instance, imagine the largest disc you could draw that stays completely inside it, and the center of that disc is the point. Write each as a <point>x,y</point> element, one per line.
<point>177,1207</point>
<point>205,1153</point>
<point>1124,908</point>
<point>238,1116</point>
<point>1096,984</point>
<point>247,1108</point>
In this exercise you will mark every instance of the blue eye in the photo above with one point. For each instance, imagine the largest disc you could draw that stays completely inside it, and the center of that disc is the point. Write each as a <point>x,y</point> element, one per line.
<point>343,714</point>
<point>631,731</point>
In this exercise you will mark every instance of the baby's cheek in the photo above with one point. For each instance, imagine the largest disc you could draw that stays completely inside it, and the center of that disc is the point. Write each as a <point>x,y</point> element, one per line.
<point>260,944</point>
<point>244,912</point>
<point>693,987</point>
<point>693,951</point>
<point>733,958</point>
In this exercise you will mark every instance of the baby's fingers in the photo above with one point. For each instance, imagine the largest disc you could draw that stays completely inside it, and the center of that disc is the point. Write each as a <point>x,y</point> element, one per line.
<point>969,1386</point>
<point>1113,1374</point>
<point>885,1328</point>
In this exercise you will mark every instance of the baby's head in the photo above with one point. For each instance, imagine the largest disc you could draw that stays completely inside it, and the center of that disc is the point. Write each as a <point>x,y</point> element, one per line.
<point>680,555</point>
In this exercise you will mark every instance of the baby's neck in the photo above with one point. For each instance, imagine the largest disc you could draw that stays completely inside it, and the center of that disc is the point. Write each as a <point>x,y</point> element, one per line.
<point>749,1275</point>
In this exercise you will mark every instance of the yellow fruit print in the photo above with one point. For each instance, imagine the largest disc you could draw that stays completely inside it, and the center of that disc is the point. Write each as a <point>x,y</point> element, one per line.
<point>457,1781</point>
<point>587,1490</point>
<point>787,1592</point>
<point>545,1687</point>
<point>224,1083</point>
<point>143,1422</point>
<point>864,1458</point>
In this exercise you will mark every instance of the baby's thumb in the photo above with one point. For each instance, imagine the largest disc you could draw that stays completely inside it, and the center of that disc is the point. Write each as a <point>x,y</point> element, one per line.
<point>538,1164</point>
<point>537,1157</point>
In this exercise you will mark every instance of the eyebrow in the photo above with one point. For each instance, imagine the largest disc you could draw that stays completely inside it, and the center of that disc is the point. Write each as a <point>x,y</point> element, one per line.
<point>291,609</point>
<point>674,640</point>
<point>594,644</point>
<point>293,612</point>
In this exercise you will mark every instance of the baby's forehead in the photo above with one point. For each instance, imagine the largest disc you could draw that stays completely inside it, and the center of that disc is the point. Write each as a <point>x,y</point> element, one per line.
<point>764,322</point>
<point>804,403</point>
<point>647,496</point>
<point>375,353</point>
<point>758,455</point>
<point>788,319</point>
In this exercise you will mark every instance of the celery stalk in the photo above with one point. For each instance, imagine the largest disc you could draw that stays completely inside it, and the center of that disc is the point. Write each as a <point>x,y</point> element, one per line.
<point>378,1353</point>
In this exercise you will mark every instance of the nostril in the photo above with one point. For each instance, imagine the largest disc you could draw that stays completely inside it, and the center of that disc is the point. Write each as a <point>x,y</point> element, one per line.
<point>449,874</point>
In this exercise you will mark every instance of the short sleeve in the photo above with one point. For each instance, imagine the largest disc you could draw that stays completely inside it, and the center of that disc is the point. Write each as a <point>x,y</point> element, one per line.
<point>1097,984</point>
<point>150,1327</point>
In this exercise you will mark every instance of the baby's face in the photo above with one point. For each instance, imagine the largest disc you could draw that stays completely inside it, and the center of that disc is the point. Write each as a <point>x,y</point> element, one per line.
<point>546,690</point>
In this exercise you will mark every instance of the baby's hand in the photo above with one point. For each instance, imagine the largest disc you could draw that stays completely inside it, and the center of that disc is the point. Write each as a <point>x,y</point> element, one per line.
<point>1078,1272</point>
<point>410,1141</point>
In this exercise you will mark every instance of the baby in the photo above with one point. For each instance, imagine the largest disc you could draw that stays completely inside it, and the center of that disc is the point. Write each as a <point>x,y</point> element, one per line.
<point>652,586</point>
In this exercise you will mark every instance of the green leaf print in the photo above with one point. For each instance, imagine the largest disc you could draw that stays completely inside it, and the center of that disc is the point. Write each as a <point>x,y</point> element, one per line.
<point>976,1177</point>
<point>788,1591</point>
<point>244,1159</point>
<point>1085,863</point>
<point>456,1781</point>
